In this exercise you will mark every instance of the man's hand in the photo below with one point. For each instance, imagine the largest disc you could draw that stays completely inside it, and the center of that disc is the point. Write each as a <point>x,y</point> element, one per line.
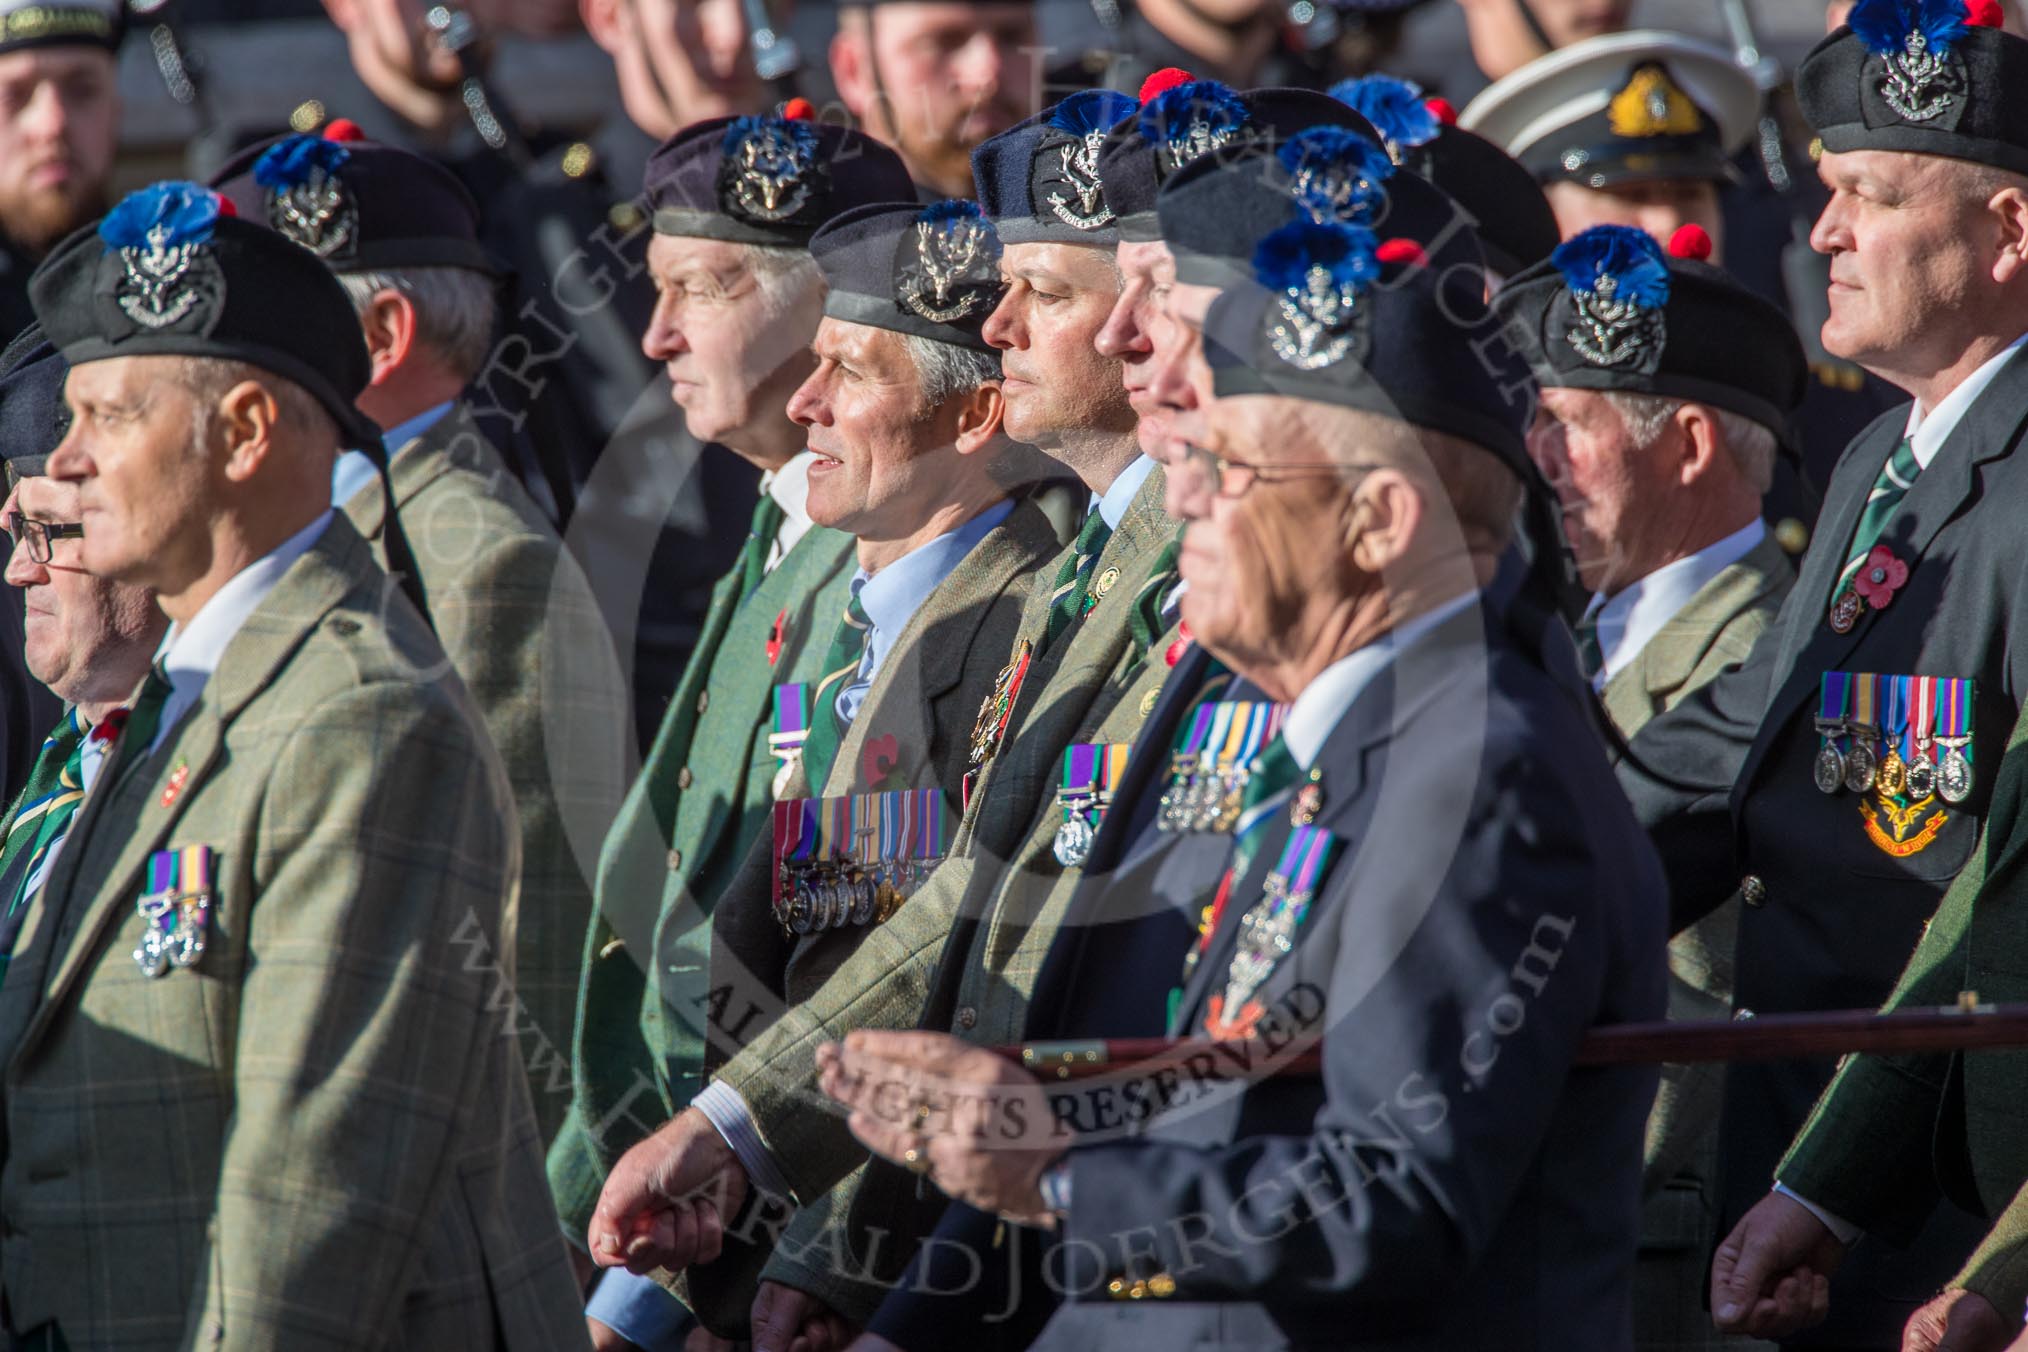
<point>1958,1321</point>
<point>667,1202</point>
<point>702,1339</point>
<point>606,1339</point>
<point>788,1320</point>
<point>979,1126</point>
<point>1772,1275</point>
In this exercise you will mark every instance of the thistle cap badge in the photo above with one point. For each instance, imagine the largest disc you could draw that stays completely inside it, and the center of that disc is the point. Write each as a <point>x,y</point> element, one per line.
<point>160,234</point>
<point>1335,174</point>
<point>1318,275</point>
<point>306,198</point>
<point>1618,282</point>
<point>1189,121</point>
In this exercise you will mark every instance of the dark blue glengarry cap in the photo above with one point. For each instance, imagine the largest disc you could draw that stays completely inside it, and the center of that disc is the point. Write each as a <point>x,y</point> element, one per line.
<point>931,271</point>
<point>358,205</point>
<point>1336,316</point>
<point>170,272</point>
<point>1182,120</point>
<point>1931,77</point>
<point>1611,310</point>
<point>34,419</point>
<point>1516,227</point>
<point>766,180</point>
<point>1039,181</point>
<point>62,23</point>
<point>1214,214</point>
<point>1622,108</point>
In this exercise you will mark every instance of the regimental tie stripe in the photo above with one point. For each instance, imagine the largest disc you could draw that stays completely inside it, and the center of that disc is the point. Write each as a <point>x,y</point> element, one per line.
<point>40,824</point>
<point>1896,477</point>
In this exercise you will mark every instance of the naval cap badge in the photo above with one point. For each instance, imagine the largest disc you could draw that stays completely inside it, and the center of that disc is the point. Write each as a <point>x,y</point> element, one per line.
<point>306,198</point>
<point>1318,275</point>
<point>1618,282</point>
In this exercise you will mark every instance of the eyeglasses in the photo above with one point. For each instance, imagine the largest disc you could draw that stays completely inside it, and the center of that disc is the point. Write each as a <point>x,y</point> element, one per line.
<point>40,536</point>
<point>1231,478</point>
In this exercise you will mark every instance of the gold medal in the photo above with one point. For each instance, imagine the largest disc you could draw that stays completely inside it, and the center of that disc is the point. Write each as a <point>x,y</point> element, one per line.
<point>1890,777</point>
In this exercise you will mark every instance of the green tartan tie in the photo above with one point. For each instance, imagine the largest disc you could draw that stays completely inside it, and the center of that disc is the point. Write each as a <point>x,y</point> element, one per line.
<point>1896,477</point>
<point>1145,625</point>
<point>1069,600</point>
<point>841,663</point>
<point>760,539</point>
<point>1273,773</point>
<point>42,813</point>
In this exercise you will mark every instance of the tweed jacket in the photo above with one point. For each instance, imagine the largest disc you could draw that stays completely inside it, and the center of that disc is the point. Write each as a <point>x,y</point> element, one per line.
<point>1894,1135</point>
<point>687,822</point>
<point>1844,881</point>
<point>1715,629</point>
<point>1093,685</point>
<point>319,1135</point>
<point>517,620</point>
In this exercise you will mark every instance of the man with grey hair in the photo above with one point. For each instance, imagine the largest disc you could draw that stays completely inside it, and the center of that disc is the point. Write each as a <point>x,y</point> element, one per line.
<point>1661,463</point>
<point>509,604</point>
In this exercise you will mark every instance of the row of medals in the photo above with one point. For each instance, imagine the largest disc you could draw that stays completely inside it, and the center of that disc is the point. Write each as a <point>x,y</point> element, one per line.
<point>1082,813</point>
<point>1861,770</point>
<point>183,943</point>
<point>1198,799</point>
<point>831,894</point>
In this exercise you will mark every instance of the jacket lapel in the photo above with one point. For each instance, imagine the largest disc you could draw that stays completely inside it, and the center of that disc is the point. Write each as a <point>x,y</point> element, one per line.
<point>311,588</point>
<point>411,468</point>
<point>1668,660</point>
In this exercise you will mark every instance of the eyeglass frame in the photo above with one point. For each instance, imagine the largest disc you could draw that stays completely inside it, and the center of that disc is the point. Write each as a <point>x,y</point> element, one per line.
<point>1270,472</point>
<point>40,536</point>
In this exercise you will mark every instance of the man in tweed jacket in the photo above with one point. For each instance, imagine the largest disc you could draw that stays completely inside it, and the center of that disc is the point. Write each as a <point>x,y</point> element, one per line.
<point>258,1089</point>
<point>509,604</point>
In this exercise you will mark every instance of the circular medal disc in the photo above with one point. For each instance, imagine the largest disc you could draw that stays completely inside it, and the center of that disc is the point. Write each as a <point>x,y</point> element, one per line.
<point>1073,841</point>
<point>1920,781</point>
<point>802,909</point>
<point>1830,768</point>
<point>1860,767</point>
<point>1955,779</point>
<point>1889,777</point>
<point>862,900</point>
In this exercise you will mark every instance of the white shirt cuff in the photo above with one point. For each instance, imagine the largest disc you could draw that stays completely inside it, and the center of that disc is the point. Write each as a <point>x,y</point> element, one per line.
<point>1841,1229</point>
<point>726,1110</point>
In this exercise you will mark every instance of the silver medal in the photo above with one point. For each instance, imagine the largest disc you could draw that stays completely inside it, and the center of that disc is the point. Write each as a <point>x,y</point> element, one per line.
<point>1073,840</point>
<point>1861,766</point>
<point>1830,770</point>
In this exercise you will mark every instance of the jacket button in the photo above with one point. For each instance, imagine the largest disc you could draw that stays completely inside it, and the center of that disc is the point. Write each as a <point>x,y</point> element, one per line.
<point>1161,1286</point>
<point>1138,1291</point>
<point>675,861</point>
<point>1752,890</point>
<point>703,700</point>
<point>1117,1289</point>
<point>968,1017</point>
<point>683,778</point>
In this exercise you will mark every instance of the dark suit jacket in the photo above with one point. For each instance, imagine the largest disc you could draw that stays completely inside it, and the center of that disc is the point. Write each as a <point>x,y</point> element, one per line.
<point>1840,916</point>
<point>1465,1185</point>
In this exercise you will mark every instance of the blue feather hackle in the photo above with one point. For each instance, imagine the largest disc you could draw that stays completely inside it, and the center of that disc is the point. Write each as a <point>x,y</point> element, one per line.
<point>1394,107</point>
<point>951,209</point>
<point>1317,148</point>
<point>1884,25</point>
<point>1091,110</point>
<point>802,135</point>
<point>1285,258</point>
<point>289,161</point>
<point>188,211</point>
<point>1629,256</point>
<point>1166,118</point>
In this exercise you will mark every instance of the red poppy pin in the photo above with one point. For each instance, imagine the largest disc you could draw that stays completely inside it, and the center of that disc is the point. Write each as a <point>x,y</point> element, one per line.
<point>111,725</point>
<point>1880,577</point>
<point>1180,646</point>
<point>775,637</point>
<point>877,758</point>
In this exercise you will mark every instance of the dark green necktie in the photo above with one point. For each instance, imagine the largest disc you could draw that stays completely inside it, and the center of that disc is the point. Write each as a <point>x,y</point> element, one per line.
<point>1068,600</point>
<point>1273,773</point>
<point>760,540</point>
<point>1896,477</point>
<point>1146,624</point>
<point>144,719</point>
<point>841,664</point>
<point>42,814</point>
<point>1589,655</point>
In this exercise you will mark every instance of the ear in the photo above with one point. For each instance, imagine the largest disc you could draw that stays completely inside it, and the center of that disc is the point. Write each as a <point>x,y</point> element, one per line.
<point>1385,517</point>
<point>249,419</point>
<point>1696,449</point>
<point>389,325</point>
<point>979,416</point>
<point>852,65</point>
<point>2009,209</point>
<point>605,20</point>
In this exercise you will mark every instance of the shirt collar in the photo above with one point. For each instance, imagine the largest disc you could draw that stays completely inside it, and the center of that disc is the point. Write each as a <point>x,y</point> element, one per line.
<point>891,596</point>
<point>1636,613</point>
<point>1113,503</point>
<point>1927,432</point>
<point>1322,704</point>
<point>353,470</point>
<point>191,652</point>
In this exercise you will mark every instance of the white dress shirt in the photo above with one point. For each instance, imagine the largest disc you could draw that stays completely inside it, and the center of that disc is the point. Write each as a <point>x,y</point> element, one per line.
<point>789,486</point>
<point>352,470</point>
<point>1119,495</point>
<point>1636,613</point>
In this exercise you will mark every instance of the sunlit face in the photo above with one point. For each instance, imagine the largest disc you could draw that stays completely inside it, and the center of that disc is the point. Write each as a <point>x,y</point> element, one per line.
<point>883,462</point>
<point>940,79</point>
<point>733,356</point>
<point>1180,386</point>
<point>1900,230</point>
<point>88,639</point>
<point>144,485</point>
<point>1609,488</point>
<point>1661,207</point>
<point>1255,561</point>
<point>1058,385</point>
<point>1136,331</point>
<point>59,127</point>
